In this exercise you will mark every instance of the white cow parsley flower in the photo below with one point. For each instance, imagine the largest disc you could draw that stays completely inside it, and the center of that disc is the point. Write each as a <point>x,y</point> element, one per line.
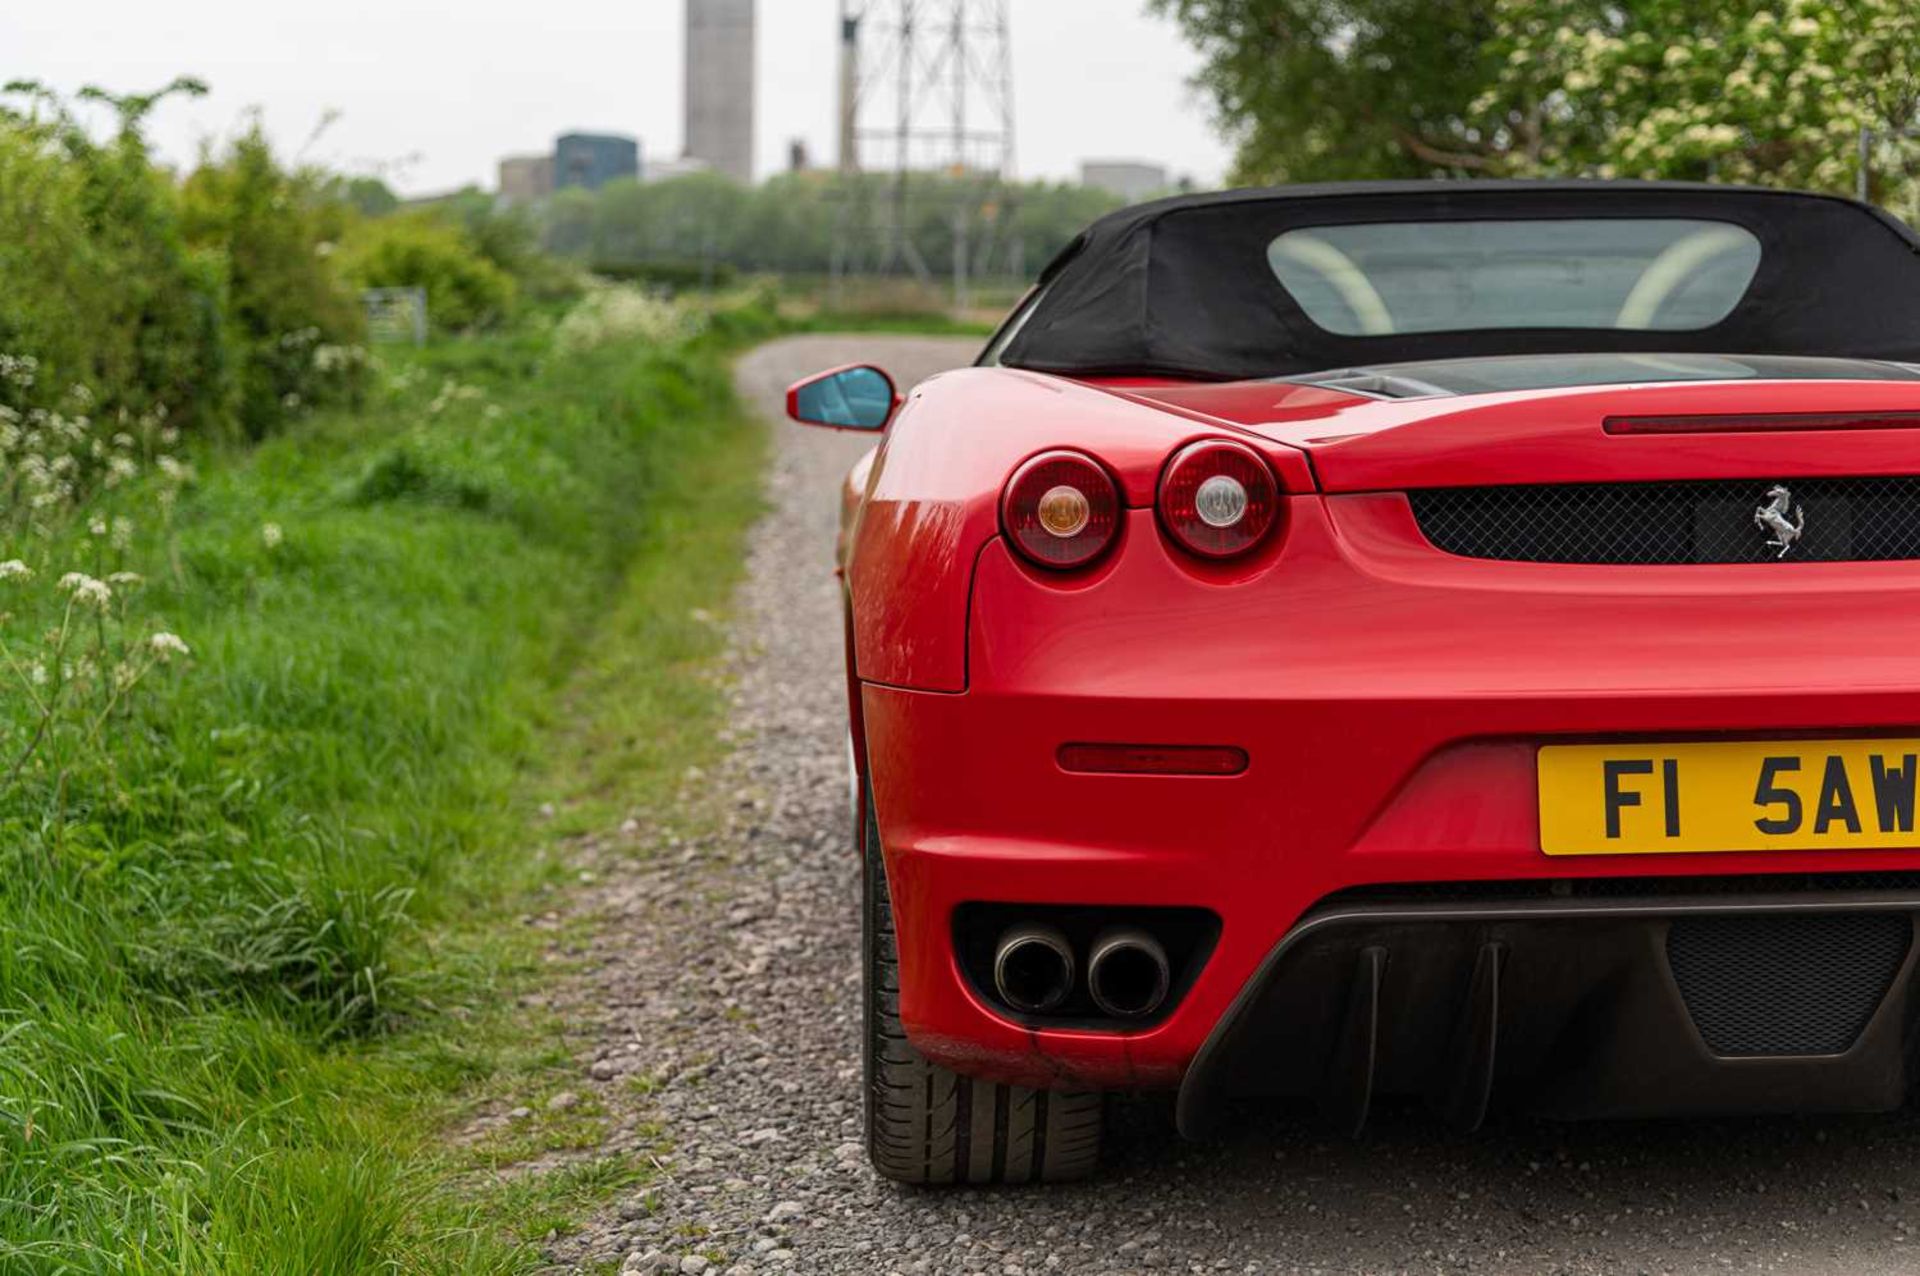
<point>85,589</point>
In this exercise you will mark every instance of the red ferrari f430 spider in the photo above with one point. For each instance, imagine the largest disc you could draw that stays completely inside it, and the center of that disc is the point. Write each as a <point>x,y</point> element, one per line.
<point>1456,640</point>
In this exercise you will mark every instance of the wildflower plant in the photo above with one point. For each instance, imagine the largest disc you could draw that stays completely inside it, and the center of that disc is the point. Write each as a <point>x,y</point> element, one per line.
<point>75,644</point>
<point>76,674</point>
<point>622,313</point>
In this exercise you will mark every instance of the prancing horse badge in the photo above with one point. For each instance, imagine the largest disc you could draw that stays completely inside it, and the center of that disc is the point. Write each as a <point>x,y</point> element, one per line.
<point>1773,518</point>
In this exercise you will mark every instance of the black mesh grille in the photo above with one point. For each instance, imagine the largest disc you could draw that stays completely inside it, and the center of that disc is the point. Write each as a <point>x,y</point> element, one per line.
<point>1793,985</point>
<point>1847,520</point>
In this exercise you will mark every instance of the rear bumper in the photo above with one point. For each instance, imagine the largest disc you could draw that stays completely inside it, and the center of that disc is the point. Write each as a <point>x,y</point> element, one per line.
<point>1391,700</point>
<point>1611,1005</point>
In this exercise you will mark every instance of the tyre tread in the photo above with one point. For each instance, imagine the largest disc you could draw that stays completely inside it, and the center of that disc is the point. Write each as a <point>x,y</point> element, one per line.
<point>929,1126</point>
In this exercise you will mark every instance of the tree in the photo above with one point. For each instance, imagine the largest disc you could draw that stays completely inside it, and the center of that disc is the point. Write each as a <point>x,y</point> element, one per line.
<point>566,222</point>
<point>703,223</point>
<point>1775,93</point>
<point>694,218</point>
<point>367,195</point>
<point>1768,91</point>
<point>1319,90</point>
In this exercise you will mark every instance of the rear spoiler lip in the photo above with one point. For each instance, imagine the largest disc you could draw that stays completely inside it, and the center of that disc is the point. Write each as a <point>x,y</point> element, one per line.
<point>1761,422</point>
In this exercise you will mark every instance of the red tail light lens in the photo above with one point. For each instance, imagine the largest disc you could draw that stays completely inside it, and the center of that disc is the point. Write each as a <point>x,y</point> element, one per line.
<point>1218,499</point>
<point>1061,509</point>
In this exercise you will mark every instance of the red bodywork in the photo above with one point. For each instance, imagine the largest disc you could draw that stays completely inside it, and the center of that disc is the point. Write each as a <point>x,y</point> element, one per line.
<point>1390,696</point>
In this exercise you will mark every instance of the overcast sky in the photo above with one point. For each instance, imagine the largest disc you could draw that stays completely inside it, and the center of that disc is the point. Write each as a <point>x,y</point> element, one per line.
<point>432,92</point>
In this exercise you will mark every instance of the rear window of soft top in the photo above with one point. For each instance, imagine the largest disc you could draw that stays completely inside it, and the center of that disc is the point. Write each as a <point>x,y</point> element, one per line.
<point>1661,274</point>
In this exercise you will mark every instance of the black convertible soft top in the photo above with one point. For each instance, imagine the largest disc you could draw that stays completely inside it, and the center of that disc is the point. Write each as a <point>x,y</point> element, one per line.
<point>1182,287</point>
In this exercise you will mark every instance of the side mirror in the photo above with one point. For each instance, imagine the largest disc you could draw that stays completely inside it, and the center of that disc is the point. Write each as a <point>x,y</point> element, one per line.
<point>858,397</point>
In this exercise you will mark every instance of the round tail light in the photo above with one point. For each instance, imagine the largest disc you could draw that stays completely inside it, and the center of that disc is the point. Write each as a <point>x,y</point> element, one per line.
<point>1061,509</point>
<point>1218,499</point>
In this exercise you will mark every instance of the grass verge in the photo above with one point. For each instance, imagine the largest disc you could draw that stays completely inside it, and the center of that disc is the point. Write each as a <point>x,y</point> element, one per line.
<point>252,958</point>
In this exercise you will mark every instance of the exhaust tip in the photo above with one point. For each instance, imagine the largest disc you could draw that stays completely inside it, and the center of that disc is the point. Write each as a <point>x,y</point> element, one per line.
<point>1127,973</point>
<point>1033,968</point>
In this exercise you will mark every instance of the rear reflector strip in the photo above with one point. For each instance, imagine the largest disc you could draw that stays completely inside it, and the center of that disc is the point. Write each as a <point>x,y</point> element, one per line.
<point>1768,422</point>
<point>1152,759</point>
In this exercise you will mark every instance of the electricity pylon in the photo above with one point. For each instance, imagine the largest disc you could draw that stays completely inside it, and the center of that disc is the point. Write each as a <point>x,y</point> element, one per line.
<point>926,87</point>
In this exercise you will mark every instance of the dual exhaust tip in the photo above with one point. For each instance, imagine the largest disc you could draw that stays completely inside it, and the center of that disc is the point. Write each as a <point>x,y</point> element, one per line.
<point>1127,972</point>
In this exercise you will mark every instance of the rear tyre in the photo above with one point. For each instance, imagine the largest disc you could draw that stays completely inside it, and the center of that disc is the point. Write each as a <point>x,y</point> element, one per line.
<point>929,1126</point>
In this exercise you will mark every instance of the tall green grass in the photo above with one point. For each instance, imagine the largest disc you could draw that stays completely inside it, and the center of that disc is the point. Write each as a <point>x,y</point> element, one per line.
<point>241,946</point>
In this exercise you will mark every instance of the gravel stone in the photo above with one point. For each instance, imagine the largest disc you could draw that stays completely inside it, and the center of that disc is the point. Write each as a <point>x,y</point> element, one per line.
<point>724,978</point>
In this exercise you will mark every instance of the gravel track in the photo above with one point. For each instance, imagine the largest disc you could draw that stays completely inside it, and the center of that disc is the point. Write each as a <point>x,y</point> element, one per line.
<point>722,977</point>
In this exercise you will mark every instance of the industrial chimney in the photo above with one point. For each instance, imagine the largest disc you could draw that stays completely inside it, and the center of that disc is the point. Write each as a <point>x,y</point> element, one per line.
<point>720,85</point>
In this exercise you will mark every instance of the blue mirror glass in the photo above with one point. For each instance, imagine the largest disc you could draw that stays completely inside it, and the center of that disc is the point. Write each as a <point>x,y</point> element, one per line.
<point>853,399</point>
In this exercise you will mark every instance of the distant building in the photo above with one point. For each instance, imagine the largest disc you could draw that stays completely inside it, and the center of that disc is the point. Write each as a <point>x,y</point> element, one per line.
<point>720,85</point>
<point>591,160</point>
<point>526,178</point>
<point>667,170</point>
<point>1129,179</point>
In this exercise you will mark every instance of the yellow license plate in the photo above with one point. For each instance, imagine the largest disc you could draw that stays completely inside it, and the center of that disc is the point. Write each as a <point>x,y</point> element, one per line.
<point>1781,795</point>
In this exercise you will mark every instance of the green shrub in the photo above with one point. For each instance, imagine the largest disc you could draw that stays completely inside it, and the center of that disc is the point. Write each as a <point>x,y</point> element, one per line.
<point>299,328</point>
<point>424,250</point>
<point>142,304</point>
<point>104,290</point>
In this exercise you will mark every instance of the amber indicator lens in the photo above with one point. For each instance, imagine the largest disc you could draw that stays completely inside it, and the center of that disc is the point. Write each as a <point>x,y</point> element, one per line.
<point>1152,759</point>
<point>1065,512</point>
<point>1218,498</point>
<point>1752,423</point>
<point>1061,510</point>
